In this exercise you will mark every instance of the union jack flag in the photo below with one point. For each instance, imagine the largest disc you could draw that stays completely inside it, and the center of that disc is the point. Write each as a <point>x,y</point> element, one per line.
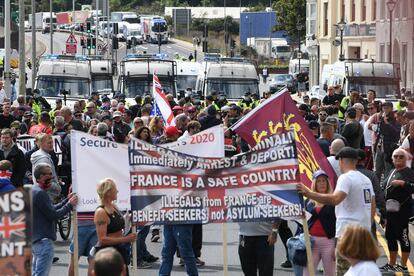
<point>255,179</point>
<point>12,227</point>
<point>161,102</point>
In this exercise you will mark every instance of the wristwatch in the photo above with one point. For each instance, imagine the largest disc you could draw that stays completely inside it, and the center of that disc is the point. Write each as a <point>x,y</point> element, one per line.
<point>275,231</point>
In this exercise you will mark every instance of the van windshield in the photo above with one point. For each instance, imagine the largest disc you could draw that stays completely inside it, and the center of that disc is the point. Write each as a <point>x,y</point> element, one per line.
<point>134,86</point>
<point>184,82</point>
<point>282,49</point>
<point>52,86</point>
<point>233,89</point>
<point>102,83</point>
<point>384,87</point>
<point>132,20</point>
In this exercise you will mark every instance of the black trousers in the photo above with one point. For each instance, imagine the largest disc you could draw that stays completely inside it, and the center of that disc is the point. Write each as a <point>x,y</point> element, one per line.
<point>256,255</point>
<point>285,233</point>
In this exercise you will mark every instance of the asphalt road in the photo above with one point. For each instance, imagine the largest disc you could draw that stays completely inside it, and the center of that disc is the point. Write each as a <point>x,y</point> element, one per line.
<point>212,254</point>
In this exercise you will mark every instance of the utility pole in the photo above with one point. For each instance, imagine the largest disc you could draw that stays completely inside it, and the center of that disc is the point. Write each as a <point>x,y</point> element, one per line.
<point>107,29</point>
<point>7,46</point>
<point>96,27</point>
<point>22,50</point>
<point>34,61</point>
<point>51,26</point>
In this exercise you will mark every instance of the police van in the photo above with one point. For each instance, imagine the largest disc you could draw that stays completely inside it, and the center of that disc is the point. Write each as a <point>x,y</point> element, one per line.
<point>363,75</point>
<point>231,77</point>
<point>64,76</point>
<point>136,74</point>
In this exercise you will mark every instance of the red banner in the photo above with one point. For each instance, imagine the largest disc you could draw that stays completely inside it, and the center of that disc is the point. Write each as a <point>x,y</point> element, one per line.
<point>277,115</point>
<point>62,18</point>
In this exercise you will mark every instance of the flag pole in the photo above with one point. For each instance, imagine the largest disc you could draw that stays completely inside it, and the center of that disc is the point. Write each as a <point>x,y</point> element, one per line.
<point>75,243</point>
<point>28,189</point>
<point>134,253</point>
<point>225,256</point>
<point>311,269</point>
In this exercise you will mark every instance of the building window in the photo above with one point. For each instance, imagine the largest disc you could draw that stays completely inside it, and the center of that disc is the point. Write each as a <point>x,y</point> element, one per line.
<point>405,8</point>
<point>374,10</point>
<point>382,53</point>
<point>353,10</point>
<point>325,19</point>
<point>363,10</point>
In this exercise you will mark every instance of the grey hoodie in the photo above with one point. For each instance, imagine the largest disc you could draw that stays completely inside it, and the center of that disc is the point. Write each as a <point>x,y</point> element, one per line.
<point>41,156</point>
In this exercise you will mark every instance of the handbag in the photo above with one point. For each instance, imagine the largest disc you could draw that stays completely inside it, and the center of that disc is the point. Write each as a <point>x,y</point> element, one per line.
<point>392,206</point>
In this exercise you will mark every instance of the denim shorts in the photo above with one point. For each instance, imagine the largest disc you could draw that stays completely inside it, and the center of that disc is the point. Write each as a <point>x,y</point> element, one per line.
<point>87,238</point>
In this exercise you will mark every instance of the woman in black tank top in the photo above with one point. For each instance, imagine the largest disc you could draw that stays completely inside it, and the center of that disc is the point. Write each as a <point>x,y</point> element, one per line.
<point>109,221</point>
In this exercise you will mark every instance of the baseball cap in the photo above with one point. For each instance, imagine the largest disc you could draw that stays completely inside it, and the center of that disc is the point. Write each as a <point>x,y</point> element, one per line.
<point>347,152</point>
<point>191,109</point>
<point>172,130</point>
<point>332,120</point>
<point>177,107</point>
<point>319,173</point>
<point>117,114</point>
<point>247,94</point>
<point>387,104</point>
<point>225,108</point>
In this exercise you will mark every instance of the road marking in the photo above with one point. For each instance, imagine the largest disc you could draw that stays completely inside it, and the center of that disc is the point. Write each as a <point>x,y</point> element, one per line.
<point>385,246</point>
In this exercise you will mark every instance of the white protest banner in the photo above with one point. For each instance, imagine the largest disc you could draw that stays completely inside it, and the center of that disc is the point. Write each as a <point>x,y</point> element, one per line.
<point>169,187</point>
<point>207,143</point>
<point>94,159</point>
<point>28,142</point>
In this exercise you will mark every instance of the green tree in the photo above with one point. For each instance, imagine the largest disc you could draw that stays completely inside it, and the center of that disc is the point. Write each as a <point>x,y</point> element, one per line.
<point>291,13</point>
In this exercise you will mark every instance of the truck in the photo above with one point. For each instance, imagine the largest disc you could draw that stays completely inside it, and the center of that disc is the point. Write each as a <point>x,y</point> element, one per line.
<point>102,72</point>
<point>133,32</point>
<point>231,77</point>
<point>280,49</point>
<point>63,74</point>
<point>136,74</point>
<point>125,19</point>
<point>43,21</point>
<point>152,26</point>
<point>363,75</point>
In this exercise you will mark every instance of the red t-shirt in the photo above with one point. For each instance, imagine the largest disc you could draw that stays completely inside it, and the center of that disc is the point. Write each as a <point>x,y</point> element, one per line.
<point>317,228</point>
<point>39,128</point>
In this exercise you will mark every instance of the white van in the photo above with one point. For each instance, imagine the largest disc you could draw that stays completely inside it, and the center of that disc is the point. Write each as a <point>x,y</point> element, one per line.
<point>187,73</point>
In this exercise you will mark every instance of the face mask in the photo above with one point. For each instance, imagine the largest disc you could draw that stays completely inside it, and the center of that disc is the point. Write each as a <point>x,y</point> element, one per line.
<point>45,184</point>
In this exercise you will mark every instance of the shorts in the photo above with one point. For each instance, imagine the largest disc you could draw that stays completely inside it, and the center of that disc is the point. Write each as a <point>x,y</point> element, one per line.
<point>87,238</point>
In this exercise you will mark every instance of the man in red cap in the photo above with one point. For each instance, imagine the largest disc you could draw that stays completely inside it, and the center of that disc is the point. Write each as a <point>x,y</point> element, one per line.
<point>172,134</point>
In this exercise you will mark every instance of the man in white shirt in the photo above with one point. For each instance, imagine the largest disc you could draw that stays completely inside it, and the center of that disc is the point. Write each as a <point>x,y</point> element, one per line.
<point>2,92</point>
<point>353,197</point>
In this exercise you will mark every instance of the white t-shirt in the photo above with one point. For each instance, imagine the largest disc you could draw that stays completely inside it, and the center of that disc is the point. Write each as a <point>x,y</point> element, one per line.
<point>368,135</point>
<point>363,268</point>
<point>335,165</point>
<point>356,207</point>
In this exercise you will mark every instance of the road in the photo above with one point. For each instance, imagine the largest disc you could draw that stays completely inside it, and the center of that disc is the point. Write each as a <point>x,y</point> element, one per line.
<point>212,254</point>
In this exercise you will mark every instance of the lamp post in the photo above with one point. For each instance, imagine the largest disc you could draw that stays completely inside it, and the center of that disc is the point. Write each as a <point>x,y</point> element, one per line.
<point>390,6</point>
<point>341,27</point>
<point>299,27</point>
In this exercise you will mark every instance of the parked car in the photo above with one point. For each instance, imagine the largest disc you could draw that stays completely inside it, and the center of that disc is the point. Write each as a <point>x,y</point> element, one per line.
<point>280,81</point>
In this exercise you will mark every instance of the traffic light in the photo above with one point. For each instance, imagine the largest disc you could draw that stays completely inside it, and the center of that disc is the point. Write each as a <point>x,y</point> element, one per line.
<point>82,28</point>
<point>89,43</point>
<point>82,42</point>
<point>88,27</point>
<point>233,43</point>
<point>93,43</point>
<point>115,45</point>
<point>115,28</point>
<point>129,44</point>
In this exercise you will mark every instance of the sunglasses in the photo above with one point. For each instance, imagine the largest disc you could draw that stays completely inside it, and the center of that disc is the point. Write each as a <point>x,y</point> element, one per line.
<point>398,156</point>
<point>323,114</point>
<point>78,115</point>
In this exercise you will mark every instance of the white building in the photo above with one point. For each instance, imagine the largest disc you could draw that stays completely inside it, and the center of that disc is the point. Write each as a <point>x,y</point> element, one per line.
<point>402,38</point>
<point>210,12</point>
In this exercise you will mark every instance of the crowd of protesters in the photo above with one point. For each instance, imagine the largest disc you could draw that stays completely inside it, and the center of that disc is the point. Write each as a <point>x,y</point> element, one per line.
<point>369,144</point>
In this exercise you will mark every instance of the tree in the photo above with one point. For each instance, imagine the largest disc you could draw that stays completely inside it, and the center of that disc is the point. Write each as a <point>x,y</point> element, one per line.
<point>290,13</point>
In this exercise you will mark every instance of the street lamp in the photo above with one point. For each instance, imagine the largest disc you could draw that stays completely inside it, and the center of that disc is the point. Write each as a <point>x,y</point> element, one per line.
<point>341,27</point>
<point>390,6</point>
<point>299,27</point>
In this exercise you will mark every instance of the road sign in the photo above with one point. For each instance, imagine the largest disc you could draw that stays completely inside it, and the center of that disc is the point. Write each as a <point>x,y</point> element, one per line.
<point>71,49</point>
<point>71,40</point>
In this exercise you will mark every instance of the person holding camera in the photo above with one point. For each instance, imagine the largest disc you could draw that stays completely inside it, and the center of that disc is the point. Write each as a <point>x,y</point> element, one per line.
<point>386,135</point>
<point>398,206</point>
